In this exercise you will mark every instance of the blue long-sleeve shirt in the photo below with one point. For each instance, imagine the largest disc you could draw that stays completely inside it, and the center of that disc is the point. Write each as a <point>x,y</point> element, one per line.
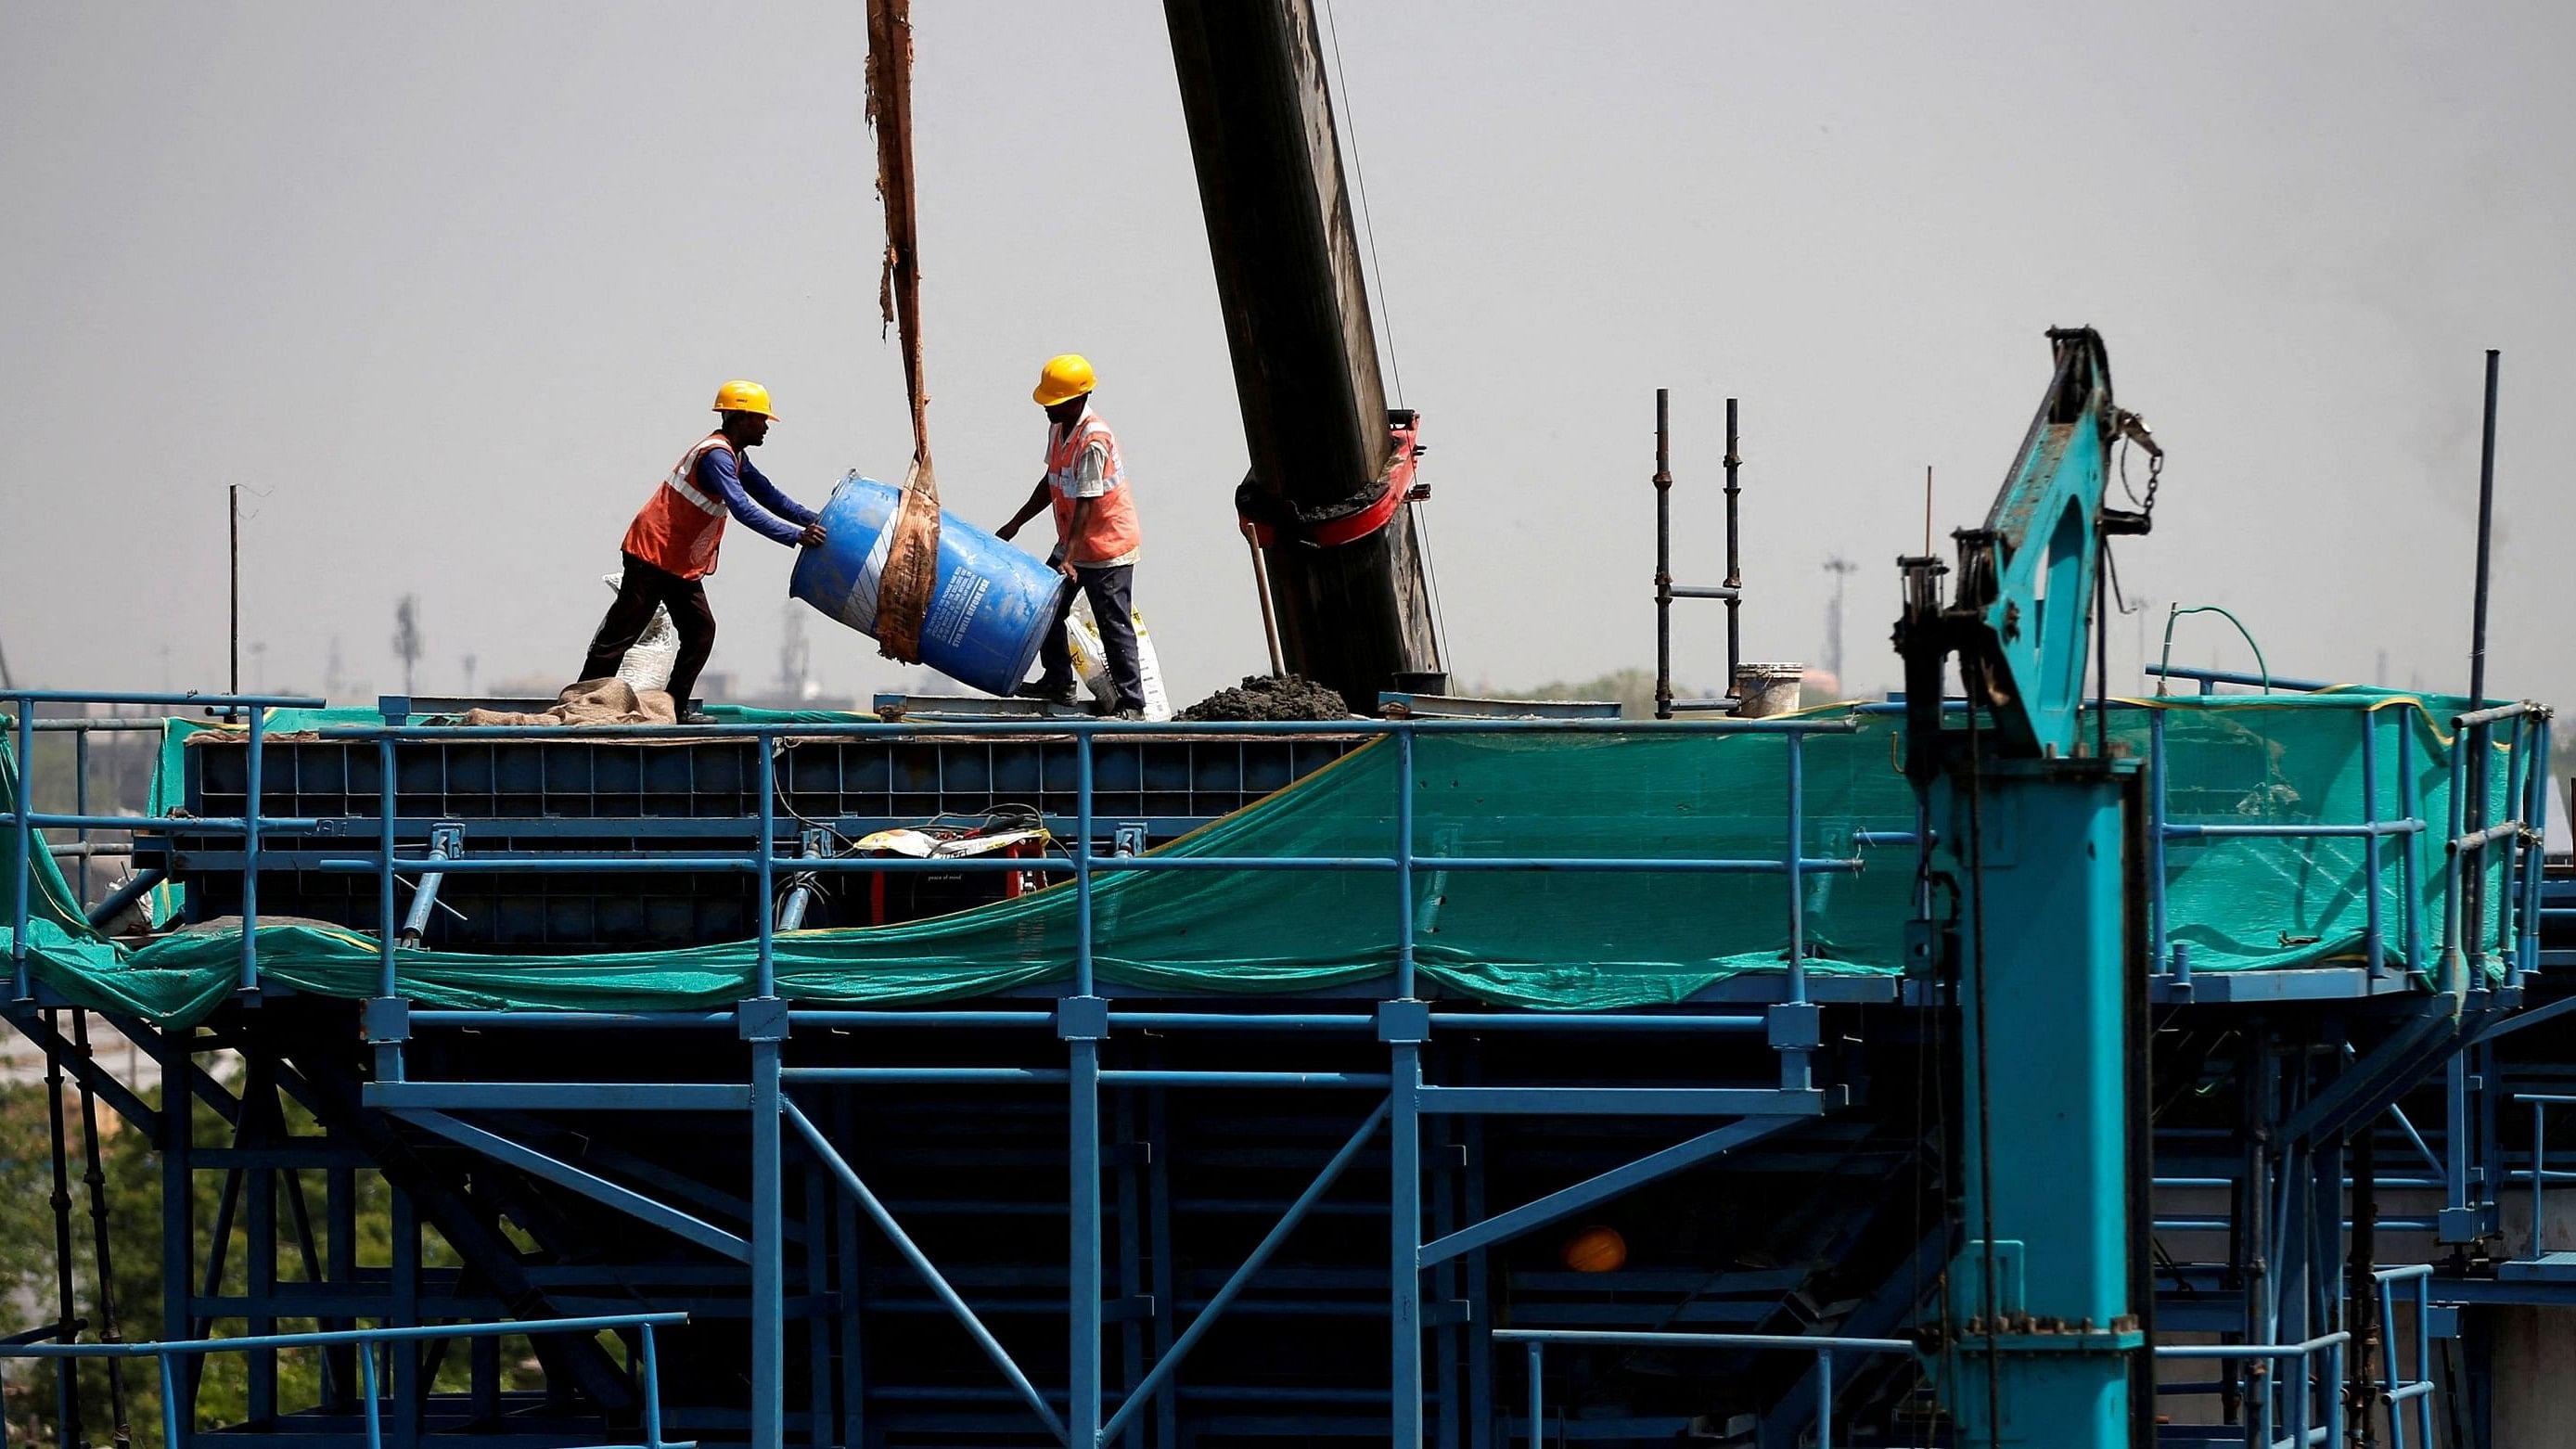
<point>715,477</point>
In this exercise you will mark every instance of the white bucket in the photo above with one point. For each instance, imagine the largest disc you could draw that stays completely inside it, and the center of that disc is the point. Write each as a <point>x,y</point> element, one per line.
<point>1763,690</point>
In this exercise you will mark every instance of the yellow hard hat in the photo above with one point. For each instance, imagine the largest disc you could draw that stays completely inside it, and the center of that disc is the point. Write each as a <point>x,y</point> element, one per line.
<point>738,396</point>
<point>1064,379</point>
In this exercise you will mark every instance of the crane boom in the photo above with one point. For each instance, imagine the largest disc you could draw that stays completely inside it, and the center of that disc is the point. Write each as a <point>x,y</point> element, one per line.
<point>1345,563</point>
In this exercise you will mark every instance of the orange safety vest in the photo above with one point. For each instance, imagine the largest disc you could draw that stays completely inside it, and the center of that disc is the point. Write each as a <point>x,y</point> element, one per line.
<point>679,526</point>
<point>1110,532</point>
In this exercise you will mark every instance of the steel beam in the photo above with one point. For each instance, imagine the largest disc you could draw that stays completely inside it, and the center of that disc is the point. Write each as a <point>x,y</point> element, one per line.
<point>1565,1202</point>
<point>589,1185</point>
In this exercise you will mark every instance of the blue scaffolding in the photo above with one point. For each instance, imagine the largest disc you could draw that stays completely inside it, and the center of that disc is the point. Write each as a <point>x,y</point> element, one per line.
<point>1092,1195</point>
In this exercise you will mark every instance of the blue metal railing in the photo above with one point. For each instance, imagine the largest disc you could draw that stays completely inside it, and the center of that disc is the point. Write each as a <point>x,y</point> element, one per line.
<point>2400,1388</point>
<point>168,1353</point>
<point>1824,1348</point>
<point>2281,1384</point>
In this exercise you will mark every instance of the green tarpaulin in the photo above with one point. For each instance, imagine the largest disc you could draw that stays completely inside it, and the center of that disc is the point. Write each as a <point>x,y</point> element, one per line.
<point>1544,940</point>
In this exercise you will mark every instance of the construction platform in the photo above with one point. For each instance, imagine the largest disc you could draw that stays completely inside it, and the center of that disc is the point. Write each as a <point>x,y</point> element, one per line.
<point>1280,1092</point>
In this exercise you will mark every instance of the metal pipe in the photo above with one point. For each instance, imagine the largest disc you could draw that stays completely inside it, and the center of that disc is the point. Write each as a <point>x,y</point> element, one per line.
<point>768,1256</point>
<point>80,806</point>
<point>1066,728</point>
<point>1164,1077</point>
<point>232,511</point>
<point>391,1333</point>
<point>1404,904</point>
<point>136,886</point>
<point>766,783</point>
<point>1404,1222</point>
<point>1734,567</point>
<point>2473,875</point>
<point>2486,533</point>
<point>23,875</point>
<point>2375,943</point>
<point>1082,866</point>
<point>250,851</point>
<point>1083,1411</point>
<point>746,864</point>
<point>1261,590</point>
<point>424,896</point>
<point>1537,1403</point>
<point>1663,481</point>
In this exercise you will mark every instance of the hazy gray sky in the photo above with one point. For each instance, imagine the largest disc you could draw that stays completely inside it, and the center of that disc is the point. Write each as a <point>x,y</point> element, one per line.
<point>449,287</point>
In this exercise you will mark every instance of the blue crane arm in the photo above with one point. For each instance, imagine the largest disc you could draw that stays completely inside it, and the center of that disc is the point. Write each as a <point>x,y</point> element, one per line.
<point>2030,575</point>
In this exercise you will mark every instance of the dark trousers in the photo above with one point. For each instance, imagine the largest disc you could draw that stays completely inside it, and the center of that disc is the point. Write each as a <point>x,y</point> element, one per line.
<point>1110,590</point>
<point>642,588</point>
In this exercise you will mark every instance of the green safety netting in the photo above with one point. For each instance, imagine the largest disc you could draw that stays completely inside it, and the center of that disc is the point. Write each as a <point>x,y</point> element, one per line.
<point>1545,940</point>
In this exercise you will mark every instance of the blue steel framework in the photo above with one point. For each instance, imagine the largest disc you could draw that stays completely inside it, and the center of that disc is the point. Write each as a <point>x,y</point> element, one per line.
<point>2298,1127</point>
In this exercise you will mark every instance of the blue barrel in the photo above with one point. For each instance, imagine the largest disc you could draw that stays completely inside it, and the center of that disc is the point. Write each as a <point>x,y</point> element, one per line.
<point>990,606</point>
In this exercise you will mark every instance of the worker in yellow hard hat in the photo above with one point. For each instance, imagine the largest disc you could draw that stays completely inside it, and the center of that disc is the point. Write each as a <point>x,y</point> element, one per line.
<point>1096,536</point>
<point>670,548</point>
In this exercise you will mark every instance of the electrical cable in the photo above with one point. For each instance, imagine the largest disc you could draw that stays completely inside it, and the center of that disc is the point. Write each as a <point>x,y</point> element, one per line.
<point>1385,311</point>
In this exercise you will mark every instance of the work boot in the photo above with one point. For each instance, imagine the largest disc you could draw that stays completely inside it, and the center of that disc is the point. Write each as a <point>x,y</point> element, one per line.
<point>1129,711</point>
<point>1056,694</point>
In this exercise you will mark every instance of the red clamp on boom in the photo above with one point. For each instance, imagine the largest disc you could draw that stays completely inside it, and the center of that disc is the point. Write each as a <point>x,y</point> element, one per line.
<point>1350,523</point>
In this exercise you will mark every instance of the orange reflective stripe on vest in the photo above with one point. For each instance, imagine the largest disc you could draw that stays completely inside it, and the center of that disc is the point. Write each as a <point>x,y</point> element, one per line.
<point>1110,532</point>
<point>680,525</point>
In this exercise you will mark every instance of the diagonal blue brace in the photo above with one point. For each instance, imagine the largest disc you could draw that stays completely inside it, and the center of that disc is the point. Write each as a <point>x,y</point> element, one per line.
<point>137,1113</point>
<point>1145,1391</point>
<point>848,1177</point>
<point>1566,1202</point>
<point>590,1185</point>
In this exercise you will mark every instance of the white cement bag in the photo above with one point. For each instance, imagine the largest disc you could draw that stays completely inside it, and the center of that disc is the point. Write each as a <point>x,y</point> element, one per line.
<point>648,664</point>
<point>1091,662</point>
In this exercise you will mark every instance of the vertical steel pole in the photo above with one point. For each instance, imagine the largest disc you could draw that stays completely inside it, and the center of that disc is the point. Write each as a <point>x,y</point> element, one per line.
<point>2410,800</point>
<point>768,1263</point>
<point>2156,947</point>
<point>367,1393</point>
<point>2376,948</point>
<point>1824,1398</point>
<point>1082,862</point>
<point>1404,1159</point>
<point>1537,1399</point>
<point>1793,862</point>
<point>172,1432</point>
<point>406,1311</point>
<point>2539,1165</point>
<point>24,871</point>
<point>1663,481</point>
<point>2475,816</point>
<point>251,809</point>
<point>2486,531</point>
<point>1404,862</point>
<point>1083,1413</point>
<point>653,1393</point>
<point>845,1232</point>
<point>80,806</point>
<point>767,776</point>
<point>232,495</point>
<point>1734,567</point>
<point>178,1221</point>
<point>818,1324</point>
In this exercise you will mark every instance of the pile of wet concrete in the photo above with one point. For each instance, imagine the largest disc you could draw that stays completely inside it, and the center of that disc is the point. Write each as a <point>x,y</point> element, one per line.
<point>1270,697</point>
